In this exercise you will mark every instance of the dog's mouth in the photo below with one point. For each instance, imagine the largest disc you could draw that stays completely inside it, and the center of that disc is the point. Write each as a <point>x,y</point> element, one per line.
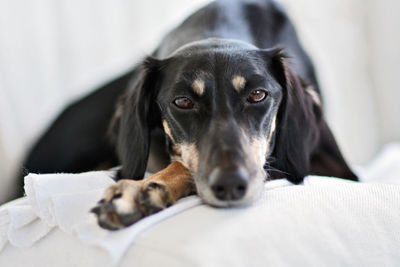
<point>230,188</point>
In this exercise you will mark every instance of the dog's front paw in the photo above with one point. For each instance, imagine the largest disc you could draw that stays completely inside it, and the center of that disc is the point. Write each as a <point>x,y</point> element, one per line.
<point>127,201</point>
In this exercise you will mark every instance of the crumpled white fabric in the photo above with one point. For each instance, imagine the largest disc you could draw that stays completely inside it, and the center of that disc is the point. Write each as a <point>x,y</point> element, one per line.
<point>51,200</point>
<point>20,225</point>
<point>64,201</point>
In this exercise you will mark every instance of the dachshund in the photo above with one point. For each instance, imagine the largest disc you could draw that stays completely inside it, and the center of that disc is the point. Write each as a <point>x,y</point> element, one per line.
<point>227,101</point>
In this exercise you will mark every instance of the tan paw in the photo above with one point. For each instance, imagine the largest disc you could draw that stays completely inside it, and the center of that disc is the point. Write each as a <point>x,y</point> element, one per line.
<point>127,201</point>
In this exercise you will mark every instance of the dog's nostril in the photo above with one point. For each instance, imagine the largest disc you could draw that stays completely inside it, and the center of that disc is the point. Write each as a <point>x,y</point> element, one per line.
<point>239,191</point>
<point>219,191</point>
<point>241,188</point>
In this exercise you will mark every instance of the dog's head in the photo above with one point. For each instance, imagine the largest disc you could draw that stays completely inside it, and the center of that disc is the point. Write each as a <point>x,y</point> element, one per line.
<point>234,114</point>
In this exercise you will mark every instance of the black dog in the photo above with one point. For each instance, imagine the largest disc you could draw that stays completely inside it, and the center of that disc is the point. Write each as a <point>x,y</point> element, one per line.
<point>229,99</point>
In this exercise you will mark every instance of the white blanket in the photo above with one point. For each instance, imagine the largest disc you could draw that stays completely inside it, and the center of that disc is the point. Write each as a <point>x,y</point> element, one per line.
<point>335,206</point>
<point>64,201</point>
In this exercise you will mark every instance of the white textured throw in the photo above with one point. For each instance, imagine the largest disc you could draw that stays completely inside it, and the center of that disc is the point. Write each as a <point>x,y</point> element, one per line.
<point>64,200</point>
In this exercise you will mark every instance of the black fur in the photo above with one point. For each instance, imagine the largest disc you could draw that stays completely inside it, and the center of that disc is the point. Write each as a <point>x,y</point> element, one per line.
<point>302,144</point>
<point>140,115</point>
<point>297,127</point>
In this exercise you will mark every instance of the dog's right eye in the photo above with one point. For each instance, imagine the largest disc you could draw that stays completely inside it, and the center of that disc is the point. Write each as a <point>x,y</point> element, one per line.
<point>183,102</point>
<point>256,96</point>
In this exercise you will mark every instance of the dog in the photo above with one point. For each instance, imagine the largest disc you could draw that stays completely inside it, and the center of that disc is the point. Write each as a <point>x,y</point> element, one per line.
<point>227,101</point>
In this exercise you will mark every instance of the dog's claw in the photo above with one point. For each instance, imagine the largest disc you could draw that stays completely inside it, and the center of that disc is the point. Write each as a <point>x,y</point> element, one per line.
<point>129,201</point>
<point>96,210</point>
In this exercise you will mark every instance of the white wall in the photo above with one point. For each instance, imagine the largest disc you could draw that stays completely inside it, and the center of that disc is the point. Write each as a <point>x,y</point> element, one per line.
<point>384,51</point>
<point>54,51</point>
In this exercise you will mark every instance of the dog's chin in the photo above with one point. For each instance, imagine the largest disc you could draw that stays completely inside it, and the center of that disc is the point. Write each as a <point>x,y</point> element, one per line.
<point>253,193</point>
<point>208,198</point>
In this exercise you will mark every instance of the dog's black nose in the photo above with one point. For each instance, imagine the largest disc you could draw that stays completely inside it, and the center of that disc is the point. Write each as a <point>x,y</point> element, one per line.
<point>229,184</point>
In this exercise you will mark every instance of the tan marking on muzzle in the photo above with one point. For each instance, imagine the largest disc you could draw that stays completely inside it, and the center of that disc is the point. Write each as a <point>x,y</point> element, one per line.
<point>167,130</point>
<point>258,150</point>
<point>238,82</point>
<point>178,153</point>
<point>190,156</point>
<point>177,148</point>
<point>271,133</point>
<point>198,86</point>
<point>260,146</point>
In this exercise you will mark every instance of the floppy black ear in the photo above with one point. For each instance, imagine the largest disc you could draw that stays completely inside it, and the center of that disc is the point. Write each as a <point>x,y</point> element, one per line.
<point>138,116</point>
<point>303,142</point>
<point>327,159</point>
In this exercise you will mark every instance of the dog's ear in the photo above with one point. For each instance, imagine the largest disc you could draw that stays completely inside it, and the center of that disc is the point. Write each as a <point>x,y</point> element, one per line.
<point>327,159</point>
<point>303,142</point>
<point>137,115</point>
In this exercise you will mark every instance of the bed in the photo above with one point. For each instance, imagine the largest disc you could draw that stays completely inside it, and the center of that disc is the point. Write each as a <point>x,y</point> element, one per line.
<point>326,221</point>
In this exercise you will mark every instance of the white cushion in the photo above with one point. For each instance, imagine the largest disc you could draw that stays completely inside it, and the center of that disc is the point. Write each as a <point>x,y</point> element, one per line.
<point>324,222</point>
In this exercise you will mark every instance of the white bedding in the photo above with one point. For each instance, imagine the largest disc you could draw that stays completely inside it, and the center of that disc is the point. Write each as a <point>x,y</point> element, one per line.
<point>325,222</point>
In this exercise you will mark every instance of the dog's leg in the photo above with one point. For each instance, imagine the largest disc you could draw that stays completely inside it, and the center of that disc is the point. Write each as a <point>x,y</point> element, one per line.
<point>128,201</point>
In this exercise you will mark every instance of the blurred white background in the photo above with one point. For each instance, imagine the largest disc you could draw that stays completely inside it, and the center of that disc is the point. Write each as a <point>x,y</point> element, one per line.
<point>53,52</point>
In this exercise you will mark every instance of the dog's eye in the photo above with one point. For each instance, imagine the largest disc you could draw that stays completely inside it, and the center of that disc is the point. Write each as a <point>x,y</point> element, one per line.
<point>257,95</point>
<point>183,103</point>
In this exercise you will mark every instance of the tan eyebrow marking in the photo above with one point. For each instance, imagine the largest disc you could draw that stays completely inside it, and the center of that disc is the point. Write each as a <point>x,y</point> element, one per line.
<point>198,86</point>
<point>238,82</point>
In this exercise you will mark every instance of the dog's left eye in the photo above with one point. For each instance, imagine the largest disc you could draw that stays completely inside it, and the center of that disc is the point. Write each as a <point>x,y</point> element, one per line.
<point>257,95</point>
<point>183,102</point>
